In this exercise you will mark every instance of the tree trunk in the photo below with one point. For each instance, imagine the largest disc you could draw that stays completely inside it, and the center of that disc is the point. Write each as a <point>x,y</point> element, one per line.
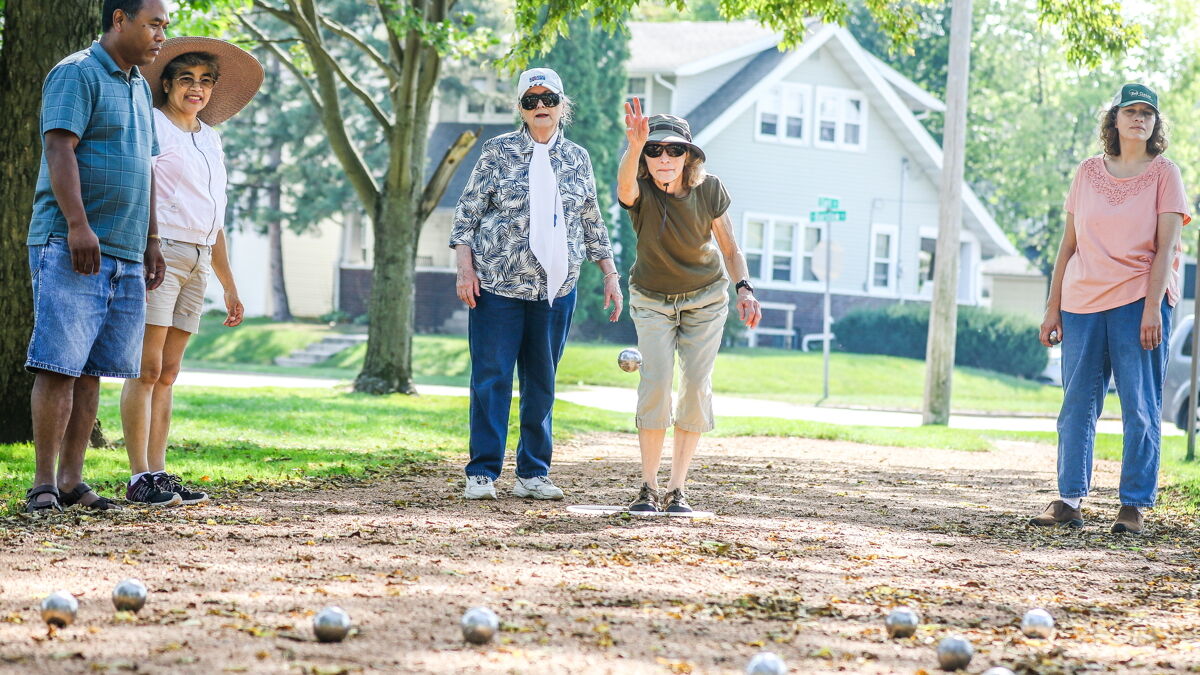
<point>943,315</point>
<point>281,310</point>
<point>29,52</point>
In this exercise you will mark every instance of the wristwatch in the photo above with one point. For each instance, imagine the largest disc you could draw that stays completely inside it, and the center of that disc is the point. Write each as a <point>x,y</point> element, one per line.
<point>744,283</point>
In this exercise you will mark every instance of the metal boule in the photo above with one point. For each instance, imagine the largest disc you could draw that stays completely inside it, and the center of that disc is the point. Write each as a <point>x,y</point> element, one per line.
<point>129,595</point>
<point>901,622</point>
<point>629,360</point>
<point>479,625</point>
<point>331,624</point>
<point>766,663</point>
<point>59,609</point>
<point>1037,624</point>
<point>998,670</point>
<point>954,652</point>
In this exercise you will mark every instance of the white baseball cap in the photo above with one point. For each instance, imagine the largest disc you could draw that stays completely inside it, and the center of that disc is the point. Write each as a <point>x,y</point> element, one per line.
<point>539,77</point>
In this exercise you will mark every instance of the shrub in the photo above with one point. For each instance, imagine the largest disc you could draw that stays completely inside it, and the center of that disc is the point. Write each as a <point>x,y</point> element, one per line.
<point>1006,343</point>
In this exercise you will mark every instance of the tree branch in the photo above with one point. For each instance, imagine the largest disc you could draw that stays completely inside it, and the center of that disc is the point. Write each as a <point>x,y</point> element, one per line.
<point>440,179</point>
<point>356,89</point>
<point>371,52</point>
<point>283,58</point>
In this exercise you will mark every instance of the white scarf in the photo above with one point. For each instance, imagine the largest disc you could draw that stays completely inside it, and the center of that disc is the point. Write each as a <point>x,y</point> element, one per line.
<point>547,228</point>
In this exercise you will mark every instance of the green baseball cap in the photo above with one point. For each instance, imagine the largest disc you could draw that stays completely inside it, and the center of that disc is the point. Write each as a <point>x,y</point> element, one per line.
<point>1136,93</point>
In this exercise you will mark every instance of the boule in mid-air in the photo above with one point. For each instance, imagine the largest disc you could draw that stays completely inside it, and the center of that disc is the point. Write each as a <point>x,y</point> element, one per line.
<point>629,360</point>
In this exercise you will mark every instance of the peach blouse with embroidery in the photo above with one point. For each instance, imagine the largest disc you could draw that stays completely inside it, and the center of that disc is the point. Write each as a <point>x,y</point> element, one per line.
<point>1116,220</point>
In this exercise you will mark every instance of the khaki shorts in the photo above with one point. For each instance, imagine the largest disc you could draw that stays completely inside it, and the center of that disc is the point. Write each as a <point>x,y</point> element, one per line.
<point>692,324</point>
<point>179,301</point>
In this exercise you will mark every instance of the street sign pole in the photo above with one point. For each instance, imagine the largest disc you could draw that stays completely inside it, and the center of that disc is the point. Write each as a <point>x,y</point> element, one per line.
<point>1191,418</point>
<point>828,214</point>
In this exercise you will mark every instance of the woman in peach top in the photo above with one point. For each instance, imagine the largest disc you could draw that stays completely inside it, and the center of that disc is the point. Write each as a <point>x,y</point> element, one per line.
<point>1115,281</point>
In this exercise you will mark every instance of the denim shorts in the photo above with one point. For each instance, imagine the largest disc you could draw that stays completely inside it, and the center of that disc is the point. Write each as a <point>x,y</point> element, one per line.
<point>85,324</point>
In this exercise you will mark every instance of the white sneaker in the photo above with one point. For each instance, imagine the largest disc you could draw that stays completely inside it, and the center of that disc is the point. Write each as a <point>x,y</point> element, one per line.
<point>538,487</point>
<point>480,487</point>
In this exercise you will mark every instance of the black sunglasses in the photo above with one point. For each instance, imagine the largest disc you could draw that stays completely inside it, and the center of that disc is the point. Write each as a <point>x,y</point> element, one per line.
<point>549,99</point>
<point>656,150</point>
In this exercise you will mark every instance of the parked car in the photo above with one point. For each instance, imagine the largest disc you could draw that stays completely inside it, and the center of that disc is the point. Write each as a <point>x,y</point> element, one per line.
<point>1177,383</point>
<point>1053,372</point>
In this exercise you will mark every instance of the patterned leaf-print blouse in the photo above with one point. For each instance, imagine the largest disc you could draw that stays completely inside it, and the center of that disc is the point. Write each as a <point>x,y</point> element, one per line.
<point>493,215</point>
<point>1116,226</point>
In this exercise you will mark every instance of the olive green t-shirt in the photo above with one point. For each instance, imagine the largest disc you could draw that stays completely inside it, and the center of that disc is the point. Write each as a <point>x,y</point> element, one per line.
<point>676,252</point>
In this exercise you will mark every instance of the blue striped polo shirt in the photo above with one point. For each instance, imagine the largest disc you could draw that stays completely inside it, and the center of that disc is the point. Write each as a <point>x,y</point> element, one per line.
<point>89,95</point>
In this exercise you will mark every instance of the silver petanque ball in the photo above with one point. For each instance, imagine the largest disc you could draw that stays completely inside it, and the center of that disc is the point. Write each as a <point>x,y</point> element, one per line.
<point>129,595</point>
<point>59,608</point>
<point>331,624</point>
<point>998,670</point>
<point>1037,624</point>
<point>901,622</point>
<point>766,663</point>
<point>629,360</point>
<point>479,625</point>
<point>954,652</point>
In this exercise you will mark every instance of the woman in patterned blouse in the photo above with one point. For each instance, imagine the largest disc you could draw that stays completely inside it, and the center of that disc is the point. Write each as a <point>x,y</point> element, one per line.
<point>1115,281</point>
<point>525,223</point>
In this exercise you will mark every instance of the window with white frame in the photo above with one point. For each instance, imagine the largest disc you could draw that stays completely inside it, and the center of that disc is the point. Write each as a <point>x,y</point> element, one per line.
<point>638,86</point>
<point>769,244</point>
<point>925,260</point>
<point>783,114</point>
<point>884,248</point>
<point>841,119</point>
<point>483,104</point>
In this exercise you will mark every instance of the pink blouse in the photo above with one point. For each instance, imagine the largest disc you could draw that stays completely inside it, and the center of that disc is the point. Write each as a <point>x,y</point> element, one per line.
<point>1116,220</point>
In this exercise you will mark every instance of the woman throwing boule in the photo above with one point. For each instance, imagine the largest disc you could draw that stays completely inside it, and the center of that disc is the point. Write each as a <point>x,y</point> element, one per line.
<point>678,291</point>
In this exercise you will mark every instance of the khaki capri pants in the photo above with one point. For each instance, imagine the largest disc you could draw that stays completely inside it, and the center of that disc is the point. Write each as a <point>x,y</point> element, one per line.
<point>691,323</point>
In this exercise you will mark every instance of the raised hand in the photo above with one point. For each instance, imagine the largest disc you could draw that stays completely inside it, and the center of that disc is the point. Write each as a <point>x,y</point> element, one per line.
<point>637,125</point>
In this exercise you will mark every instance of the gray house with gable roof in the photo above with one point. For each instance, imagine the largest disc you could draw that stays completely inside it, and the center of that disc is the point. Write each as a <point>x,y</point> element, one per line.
<point>783,130</point>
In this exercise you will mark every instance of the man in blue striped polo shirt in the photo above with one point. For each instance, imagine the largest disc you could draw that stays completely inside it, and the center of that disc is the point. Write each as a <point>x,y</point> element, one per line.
<point>93,242</point>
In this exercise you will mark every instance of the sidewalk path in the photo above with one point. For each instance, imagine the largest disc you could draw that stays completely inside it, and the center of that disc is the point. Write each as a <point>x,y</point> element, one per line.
<point>624,400</point>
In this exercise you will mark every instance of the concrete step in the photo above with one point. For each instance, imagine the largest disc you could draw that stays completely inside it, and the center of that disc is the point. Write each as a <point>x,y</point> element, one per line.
<point>322,350</point>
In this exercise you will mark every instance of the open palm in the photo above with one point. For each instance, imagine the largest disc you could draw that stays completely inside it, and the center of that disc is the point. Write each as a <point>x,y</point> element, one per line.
<point>637,125</point>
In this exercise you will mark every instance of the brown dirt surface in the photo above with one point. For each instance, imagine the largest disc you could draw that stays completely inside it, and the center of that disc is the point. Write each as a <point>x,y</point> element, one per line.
<point>814,541</point>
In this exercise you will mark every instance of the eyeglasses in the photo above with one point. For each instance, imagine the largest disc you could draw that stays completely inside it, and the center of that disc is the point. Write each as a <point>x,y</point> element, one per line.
<point>187,82</point>
<point>656,149</point>
<point>549,99</point>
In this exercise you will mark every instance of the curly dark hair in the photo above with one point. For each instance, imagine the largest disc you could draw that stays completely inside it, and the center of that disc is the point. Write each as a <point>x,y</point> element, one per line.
<point>1111,140</point>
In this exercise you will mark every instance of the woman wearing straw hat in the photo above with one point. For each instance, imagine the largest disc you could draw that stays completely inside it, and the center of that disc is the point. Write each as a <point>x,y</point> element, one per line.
<point>1115,281</point>
<point>678,290</point>
<point>197,82</point>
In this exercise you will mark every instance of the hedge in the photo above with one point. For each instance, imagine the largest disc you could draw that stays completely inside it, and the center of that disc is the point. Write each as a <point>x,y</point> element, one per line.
<point>1006,343</point>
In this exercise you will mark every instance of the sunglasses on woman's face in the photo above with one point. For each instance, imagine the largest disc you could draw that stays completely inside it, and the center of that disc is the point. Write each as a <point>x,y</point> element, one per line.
<point>549,99</point>
<point>672,150</point>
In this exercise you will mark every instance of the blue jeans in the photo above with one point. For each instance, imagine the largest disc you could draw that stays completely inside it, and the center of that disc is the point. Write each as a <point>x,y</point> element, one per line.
<point>1095,346</point>
<point>530,335</point>
<point>85,324</point>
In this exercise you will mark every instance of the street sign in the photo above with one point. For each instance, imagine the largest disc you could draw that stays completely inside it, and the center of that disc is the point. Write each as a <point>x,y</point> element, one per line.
<point>827,203</point>
<point>826,216</point>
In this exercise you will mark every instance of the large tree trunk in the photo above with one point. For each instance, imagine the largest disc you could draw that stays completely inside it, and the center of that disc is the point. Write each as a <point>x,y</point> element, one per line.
<point>281,310</point>
<point>30,50</point>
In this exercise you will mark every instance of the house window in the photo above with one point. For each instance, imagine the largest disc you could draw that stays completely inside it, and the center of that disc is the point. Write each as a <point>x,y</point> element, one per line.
<point>925,259</point>
<point>753,239</point>
<point>884,246</point>
<point>638,86</point>
<point>483,104</point>
<point>769,244</point>
<point>783,114</point>
<point>841,119</point>
<point>475,103</point>
<point>813,234</point>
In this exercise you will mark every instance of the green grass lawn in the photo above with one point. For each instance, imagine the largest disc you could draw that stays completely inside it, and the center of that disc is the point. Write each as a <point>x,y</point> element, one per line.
<point>785,375</point>
<point>222,437</point>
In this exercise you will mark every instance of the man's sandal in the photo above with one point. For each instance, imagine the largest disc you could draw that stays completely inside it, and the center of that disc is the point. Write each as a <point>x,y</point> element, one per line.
<point>99,503</point>
<point>35,505</point>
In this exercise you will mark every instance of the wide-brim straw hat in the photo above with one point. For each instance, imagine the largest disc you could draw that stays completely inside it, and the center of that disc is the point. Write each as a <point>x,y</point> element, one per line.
<point>240,76</point>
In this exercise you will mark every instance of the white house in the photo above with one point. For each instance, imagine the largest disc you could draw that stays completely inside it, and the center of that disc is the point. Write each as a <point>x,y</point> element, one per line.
<point>783,130</point>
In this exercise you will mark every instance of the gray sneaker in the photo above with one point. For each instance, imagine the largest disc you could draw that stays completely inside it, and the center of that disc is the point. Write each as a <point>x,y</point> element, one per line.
<point>538,487</point>
<point>480,487</point>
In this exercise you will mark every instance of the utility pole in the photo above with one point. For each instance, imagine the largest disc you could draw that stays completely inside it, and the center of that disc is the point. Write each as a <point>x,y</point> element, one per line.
<point>943,314</point>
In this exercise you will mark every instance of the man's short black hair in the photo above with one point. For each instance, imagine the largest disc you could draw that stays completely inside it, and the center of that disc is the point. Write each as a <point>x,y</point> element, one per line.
<point>130,7</point>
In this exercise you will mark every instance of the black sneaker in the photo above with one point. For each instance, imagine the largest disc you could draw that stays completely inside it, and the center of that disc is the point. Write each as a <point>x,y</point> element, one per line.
<point>676,502</point>
<point>146,490</point>
<point>647,500</point>
<point>172,483</point>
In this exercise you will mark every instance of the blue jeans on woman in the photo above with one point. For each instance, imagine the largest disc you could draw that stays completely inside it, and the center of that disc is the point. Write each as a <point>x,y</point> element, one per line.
<point>529,335</point>
<point>1095,346</point>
